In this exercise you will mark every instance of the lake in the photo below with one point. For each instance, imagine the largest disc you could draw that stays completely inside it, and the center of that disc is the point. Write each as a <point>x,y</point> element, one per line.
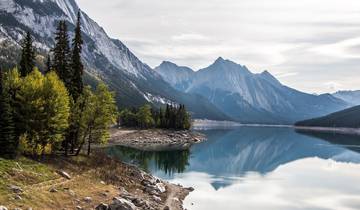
<point>261,168</point>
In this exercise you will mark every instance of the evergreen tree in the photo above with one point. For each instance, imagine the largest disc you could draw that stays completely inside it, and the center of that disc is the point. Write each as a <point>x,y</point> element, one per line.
<point>27,62</point>
<point>76,64</point>
<point>8,141</point>
<point>48,64</point>
<point>61,60</point>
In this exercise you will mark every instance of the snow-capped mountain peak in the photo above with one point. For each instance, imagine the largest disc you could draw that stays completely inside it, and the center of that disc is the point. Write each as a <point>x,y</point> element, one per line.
<point>250,97</point>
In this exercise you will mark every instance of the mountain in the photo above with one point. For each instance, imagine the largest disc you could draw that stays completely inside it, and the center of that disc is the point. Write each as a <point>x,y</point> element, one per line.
<point>348,118</point>
<point>175,74</point>
<point>352,97</point>
<point>249,97</point>
<point>107,59</point>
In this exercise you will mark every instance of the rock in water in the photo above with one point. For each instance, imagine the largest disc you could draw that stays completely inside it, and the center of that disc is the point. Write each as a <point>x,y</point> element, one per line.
<point>121,204</point>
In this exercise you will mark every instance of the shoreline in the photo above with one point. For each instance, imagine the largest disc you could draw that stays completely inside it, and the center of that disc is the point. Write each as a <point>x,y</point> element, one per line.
<point>348,131</point>
<point>155,139</point>
<point>98,181</point>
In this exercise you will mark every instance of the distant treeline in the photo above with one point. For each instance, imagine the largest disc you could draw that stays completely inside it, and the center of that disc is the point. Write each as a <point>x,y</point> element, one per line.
<point>172,117</point>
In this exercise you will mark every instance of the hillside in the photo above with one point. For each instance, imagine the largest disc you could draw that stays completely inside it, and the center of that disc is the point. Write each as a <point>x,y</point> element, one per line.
<point>348,118</point>
<point>89,181</point>
<point>105,58</point>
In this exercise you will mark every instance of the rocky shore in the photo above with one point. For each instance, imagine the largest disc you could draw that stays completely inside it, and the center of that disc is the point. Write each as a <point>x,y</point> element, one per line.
<point>155,139</point>
<point>85,183</point>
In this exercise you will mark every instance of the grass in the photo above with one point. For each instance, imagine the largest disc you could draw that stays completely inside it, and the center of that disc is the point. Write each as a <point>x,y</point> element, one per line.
<point>22,172</point>
<point>37,177</point>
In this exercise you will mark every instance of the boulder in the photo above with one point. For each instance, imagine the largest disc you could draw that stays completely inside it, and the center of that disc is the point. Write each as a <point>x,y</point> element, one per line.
<point>15,189</point>
<point>18,197</point>
<point>64,174</point>
<point>3,208</point>
<point>53,190</point>
<point>160,187</point>
<point>88,199</point>
<point>156,198</point>
<point>121,204</point>
<point>102,206</point>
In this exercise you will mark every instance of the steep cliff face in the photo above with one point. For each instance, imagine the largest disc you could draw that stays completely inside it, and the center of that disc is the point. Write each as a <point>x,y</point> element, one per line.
<point>105,58</point>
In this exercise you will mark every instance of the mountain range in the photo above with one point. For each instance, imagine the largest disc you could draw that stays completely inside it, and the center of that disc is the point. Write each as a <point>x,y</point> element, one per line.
<point>223,91</point>
<point>249,97</point>
<point>351,97</point>
<point>107,59</point>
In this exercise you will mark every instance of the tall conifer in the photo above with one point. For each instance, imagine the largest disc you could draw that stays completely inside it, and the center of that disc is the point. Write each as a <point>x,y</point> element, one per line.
<point>61,61</point>
<point>76,64</point>
<point>8,142</point>
<point>48,64</point>
<point>27,62</point>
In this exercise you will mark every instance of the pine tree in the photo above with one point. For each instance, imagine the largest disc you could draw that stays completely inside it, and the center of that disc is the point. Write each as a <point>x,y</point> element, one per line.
<point>61,61</point>
<point>76,64</point>
<point>48,64</point>
<point>27,62</point>
<point>8,142</point>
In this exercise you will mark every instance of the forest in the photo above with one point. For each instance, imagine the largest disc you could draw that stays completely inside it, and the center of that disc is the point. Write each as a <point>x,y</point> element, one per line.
<point>172,117</point>
<point>52,111</point>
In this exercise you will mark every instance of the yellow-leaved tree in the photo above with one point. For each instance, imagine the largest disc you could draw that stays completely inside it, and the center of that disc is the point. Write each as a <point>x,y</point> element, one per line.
<point>43,111</point>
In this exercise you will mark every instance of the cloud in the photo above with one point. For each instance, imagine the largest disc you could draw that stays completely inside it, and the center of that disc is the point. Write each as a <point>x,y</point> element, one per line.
<point>190,37</point>
<point>319,40</point>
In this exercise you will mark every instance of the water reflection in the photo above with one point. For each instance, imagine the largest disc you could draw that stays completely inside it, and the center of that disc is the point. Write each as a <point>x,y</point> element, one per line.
<point>169,162</point>
<point>261,168</point>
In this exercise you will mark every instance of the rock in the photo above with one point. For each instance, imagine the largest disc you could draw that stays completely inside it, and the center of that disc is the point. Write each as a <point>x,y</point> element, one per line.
<point>3,208</point>
<point>18,197</point>
<point>72,193</point>
<point>64,174</point>
<point>139,202</point>
<point>191,189</point>
<point>15,189</point>
<point>79,207</point>
<point>102,206</point>
<point>88,199</point>
<point>166,208</point>
<point>102,182</point>
<point>53,190</point>
<point>156,198</point>
<point>160,187</point>
<point>121,204</point>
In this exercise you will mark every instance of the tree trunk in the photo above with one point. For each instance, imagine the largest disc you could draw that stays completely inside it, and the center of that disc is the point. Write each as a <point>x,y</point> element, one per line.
<point>89,145</point>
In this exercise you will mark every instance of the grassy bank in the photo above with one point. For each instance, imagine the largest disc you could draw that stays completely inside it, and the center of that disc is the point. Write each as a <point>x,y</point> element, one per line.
<point>97,177</point>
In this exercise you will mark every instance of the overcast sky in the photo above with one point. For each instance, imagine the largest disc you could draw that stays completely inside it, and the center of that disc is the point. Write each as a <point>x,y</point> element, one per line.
<point>311,45</point>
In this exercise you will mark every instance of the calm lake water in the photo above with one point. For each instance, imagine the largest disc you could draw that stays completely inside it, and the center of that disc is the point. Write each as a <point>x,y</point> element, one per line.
<point>261,168</point>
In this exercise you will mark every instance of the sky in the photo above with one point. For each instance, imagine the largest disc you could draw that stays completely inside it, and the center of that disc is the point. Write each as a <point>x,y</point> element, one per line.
<point>310,45</point>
